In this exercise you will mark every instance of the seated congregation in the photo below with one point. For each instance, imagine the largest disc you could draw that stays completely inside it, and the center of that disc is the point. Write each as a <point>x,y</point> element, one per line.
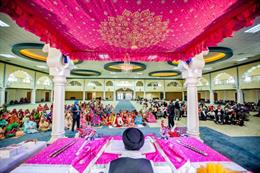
<point>92,113</point>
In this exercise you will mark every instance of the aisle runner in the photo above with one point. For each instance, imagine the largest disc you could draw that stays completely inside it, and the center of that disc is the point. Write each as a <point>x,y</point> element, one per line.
<point>124,105</point>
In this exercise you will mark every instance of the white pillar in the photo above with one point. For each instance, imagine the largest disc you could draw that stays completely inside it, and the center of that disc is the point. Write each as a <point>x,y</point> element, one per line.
<point>84,96</point>
<point>183,96</point>
<point>192,107</point>
<point>2,96</point>
<point>240,96</point>
<point>33,96</point>
<point>104,95</point>
<point>58,107</point>
<point>51,96</point>
<point>164,95</point>
<point>84,91</point>
<point>211,97</point>
<point>114,95</point>
<point>59,71</point>
<point>192,72</point>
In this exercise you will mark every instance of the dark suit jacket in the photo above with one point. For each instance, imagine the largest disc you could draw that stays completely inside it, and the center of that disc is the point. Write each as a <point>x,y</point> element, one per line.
<point>170,110</point>
<point>130,165</point>
<point>74,110</point>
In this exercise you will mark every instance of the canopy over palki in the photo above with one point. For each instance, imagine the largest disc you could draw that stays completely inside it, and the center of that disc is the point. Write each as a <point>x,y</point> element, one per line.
<point>139,30</point>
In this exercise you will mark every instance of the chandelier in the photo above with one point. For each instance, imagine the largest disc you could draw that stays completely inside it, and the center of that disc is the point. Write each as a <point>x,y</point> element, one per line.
<point>134,30</point>
<point>127,66</point>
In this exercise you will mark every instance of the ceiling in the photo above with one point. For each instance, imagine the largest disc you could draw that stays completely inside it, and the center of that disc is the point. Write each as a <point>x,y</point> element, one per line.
<point>244,45</point>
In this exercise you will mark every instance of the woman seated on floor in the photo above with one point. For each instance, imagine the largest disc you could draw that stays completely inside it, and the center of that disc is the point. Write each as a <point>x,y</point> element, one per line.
<point>150,118</point>
<point>119,121</point>
<point>111,119</point>
<point>3,124</point>
<point>44,124</point>
<point>68,120</point>
<point>28,125</point>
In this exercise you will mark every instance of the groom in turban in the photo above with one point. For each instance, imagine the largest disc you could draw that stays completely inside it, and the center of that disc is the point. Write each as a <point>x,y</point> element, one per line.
<point>133,140</point>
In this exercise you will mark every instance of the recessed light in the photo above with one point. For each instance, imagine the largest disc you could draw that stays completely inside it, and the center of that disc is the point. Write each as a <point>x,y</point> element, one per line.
<point>7,55</point>
<point>152,57</point>
<point>254,29</point>
<point>42,66</point>
<point>175,68</point>
<point>242,59</point>
<point>139,73</point>
<point>103,56</point>
<point>208,68</point>
<point>112,72</point>
<point>3,24</point>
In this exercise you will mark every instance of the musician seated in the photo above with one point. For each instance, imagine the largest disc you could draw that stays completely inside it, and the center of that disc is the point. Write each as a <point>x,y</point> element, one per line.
<point>133,140</point>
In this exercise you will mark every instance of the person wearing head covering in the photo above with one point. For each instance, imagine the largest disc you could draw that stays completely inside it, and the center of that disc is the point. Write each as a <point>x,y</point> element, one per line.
<point>28,125</point>
<point>133,140</point>
<point>75,109</point>
<point>44,124</point>
<point>171,114</point>
<point>177,109</point>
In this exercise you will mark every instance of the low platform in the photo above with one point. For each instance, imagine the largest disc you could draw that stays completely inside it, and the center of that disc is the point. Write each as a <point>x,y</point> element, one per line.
<point>168,156</point>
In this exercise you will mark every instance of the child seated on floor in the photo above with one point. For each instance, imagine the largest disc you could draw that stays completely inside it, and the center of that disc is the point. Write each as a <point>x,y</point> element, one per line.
<point>139,119</point>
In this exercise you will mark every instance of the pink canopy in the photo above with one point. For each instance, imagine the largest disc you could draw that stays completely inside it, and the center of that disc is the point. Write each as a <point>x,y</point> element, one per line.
<point>141,30</point>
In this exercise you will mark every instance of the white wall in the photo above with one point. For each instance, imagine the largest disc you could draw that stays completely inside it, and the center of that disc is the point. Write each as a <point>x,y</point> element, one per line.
<point>16,94</point>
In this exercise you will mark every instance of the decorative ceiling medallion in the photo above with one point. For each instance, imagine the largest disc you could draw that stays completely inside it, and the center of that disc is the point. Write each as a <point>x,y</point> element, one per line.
<point>134,30</point>
<point>33,51</point>
<point>215,54</point>
<point>121,66</point>
<point>164,73</point>
<point>83,72</point>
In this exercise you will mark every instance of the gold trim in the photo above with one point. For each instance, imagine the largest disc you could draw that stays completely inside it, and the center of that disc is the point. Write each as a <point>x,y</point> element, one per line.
<point>167,74</point>
<point>32,55</point>
<point>208,59</point>
<point>215,57</point>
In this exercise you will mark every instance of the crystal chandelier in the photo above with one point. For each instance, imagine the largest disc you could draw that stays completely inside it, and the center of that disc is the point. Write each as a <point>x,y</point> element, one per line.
<point>127,66</point>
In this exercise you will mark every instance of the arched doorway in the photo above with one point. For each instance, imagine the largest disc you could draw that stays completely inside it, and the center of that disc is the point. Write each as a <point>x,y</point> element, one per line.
<point>124,94</point>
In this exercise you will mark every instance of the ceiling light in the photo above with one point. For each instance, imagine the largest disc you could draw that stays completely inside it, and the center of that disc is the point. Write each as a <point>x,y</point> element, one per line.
<point>42,66</point>
<point>103,56</point>
<point>139,73</point>
<point>3,24</point>
<point>242,59</point>
<point>254,29</point>
<point>152,57</point>
<point>208,68</point>
<point>175,68</point>
<point>112,72</point>
<point>7,55</point>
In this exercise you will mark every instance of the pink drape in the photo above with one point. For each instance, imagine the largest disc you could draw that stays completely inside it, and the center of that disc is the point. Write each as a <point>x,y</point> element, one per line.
<point>74,26</point>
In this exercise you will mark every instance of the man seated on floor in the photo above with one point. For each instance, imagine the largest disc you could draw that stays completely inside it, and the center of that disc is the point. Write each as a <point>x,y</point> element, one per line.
<point>133,140</point>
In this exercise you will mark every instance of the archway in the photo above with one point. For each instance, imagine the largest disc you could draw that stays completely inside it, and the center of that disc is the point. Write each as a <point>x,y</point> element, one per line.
<point>124,94</point>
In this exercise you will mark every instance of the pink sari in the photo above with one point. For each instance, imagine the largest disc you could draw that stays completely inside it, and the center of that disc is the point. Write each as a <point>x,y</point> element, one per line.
<point>150,118</point>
